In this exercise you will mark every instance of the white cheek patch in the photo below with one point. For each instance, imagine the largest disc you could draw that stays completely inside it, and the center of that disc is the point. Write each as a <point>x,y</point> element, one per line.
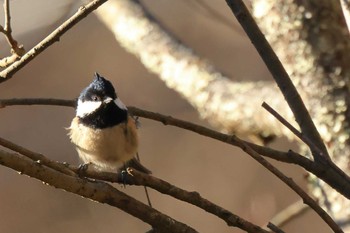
<point>87,107</point>
<point>120,104</point>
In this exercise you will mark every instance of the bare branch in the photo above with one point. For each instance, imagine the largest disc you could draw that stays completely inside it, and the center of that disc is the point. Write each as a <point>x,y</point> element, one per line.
<point>16,50</point>
<point>98,191</point>
<point>278,72</point>
<point>301,136</point>
<point>194,198</point>
<point>7,16</point>
<point>50,39</point>
<point>291,184</point>
<point>141,179</point>
<point>325,170</point>
<point>289,157</point>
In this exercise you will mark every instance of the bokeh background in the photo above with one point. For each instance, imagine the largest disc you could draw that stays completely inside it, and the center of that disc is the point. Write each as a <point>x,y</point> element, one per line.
<point>221,173</point>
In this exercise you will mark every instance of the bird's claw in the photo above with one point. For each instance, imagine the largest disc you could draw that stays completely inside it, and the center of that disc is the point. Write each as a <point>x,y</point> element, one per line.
<point>124,175</point>
<point>83,168</point>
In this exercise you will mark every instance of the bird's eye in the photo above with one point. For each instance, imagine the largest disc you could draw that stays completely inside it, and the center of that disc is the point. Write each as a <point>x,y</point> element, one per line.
<point>95,98</point>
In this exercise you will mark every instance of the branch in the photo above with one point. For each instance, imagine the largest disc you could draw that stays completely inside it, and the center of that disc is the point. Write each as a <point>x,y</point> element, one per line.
<point>278,72</point>
<point>50,39</point>
<point>325,170</point>
<point>301,136</point>
<point>194,198</point>
<point>141,179</point>
<point>97,191</point>
<point>215,96</point>
<point>16,50</point>
<point>289,157</point>
<point>288,181</point>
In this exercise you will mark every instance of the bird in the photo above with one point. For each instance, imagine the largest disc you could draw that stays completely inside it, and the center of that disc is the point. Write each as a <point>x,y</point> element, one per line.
<point>103,131</point>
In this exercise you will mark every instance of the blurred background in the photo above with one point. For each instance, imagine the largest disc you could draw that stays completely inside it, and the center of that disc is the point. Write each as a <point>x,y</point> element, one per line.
<point>220,173</point>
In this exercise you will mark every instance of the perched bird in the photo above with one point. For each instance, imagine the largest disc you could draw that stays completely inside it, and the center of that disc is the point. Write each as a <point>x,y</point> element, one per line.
<point>102,131</point>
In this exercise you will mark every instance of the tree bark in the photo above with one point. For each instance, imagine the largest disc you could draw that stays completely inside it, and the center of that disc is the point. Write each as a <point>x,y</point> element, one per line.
<point>312,41</point>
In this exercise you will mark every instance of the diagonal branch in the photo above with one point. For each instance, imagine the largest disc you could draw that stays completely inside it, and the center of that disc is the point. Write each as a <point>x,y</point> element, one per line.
<point>194,198</point>
<point>98,191</point>
<point>291,184</point>
<point>301,136</point>
<point>280,75</point>
<point>50,39</point>
<point>141,179</point>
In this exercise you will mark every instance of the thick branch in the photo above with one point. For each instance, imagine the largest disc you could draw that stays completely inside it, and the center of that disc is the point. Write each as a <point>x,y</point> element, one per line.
<point>219,100</point>
<point>50,39</point>
<point>139,178</point>
<point>194,198</point>
<point>98,191</point>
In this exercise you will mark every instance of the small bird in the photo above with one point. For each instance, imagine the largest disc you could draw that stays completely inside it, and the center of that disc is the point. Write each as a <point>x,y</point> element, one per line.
<point>103,131</point>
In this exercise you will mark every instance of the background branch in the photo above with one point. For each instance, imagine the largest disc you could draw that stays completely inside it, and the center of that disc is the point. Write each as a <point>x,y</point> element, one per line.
<point>213,95</point>
<point>16,50</point>
<point>314,47</point>
<point>50,39</point>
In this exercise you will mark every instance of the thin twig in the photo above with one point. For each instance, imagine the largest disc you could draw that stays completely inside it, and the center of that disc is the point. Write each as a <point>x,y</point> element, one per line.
<point>95,190</point>
<point>50,39</point>
<point>301,136</point>
<point>290,183</point>
<point>324,170</point>
<point>16,50</point>
<point>280,75</point>
<point>145,188</point>
<point>7,16</point>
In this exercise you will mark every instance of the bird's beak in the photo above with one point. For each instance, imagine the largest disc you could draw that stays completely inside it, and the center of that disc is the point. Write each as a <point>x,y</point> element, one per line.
<point>107,100</point>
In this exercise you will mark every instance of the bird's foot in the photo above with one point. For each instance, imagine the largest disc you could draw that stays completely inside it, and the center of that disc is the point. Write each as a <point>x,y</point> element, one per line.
<point>125,174</point>
<point>83,168</point>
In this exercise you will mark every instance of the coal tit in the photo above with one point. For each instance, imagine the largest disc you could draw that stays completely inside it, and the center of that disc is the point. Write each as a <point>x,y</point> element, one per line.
<point>103,131</point>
